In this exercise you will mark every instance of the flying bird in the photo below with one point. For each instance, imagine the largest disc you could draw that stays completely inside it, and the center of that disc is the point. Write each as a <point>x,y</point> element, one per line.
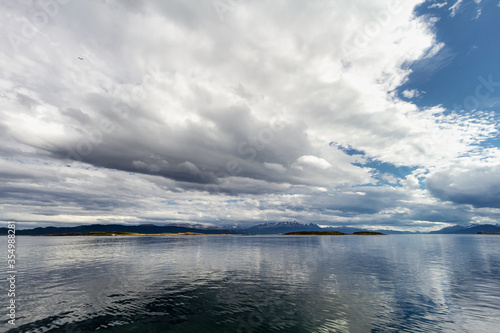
<point>80,58</point>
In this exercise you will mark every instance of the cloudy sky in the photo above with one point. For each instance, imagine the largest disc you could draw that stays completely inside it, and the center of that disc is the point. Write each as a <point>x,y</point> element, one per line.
<point>378,114</point>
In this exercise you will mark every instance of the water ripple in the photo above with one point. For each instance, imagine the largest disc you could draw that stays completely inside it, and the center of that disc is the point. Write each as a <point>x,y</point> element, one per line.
<point>259,284</point>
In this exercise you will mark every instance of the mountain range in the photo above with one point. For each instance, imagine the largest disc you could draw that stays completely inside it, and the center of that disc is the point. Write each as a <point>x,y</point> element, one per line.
<point>259,229</point>
<point>468,229</point>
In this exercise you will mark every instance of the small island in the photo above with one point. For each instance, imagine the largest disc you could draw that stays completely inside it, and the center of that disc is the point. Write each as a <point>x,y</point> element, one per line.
<point>367,233</point>
<point>331,233</point>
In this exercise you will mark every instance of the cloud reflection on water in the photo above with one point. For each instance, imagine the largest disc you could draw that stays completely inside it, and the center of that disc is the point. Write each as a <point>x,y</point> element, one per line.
<point>404,283</point>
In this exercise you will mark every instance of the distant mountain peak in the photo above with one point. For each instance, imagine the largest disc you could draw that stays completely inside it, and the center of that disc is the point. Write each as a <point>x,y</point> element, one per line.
<point>281,227</point>
<point>472,228</point>
<point>282,224</point>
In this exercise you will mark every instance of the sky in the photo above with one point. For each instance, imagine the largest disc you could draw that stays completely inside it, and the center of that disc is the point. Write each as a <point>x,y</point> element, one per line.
<point>372,114</point>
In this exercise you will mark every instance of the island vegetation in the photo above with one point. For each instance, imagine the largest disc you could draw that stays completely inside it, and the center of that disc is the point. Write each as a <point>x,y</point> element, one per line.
<point>367,233</point>
<point>331,233</point>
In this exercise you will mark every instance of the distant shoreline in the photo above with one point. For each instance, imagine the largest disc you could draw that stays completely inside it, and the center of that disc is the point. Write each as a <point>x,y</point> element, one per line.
<point>121,233</point>
<point>271,228</point>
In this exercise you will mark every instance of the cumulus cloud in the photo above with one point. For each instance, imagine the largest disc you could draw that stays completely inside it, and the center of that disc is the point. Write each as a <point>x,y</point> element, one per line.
<point>410,93</point>
<point>181,101</point>
<point>312,161</point>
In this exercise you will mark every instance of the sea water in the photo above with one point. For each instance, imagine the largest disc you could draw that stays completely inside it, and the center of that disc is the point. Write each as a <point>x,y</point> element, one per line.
<point>228,283</point>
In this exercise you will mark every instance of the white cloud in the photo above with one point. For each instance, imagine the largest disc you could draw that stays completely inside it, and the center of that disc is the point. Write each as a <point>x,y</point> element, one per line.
<point>411,182</point>
<point>312,161</point>
<point>438,4</point>
<point>478,13</point>
<point>410,93</point>
<point>455,7</point>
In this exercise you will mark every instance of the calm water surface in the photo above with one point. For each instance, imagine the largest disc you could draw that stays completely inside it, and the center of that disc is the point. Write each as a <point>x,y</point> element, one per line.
<point>400,283</point>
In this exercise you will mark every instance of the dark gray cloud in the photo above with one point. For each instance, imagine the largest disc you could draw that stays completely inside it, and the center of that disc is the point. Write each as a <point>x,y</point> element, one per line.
<point>476,186</point>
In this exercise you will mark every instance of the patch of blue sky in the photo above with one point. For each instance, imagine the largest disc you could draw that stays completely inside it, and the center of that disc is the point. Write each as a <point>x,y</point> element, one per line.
<point>384,171</point>
<point>469,58</point>
<point>350,151</point>
<point>169,202</point>
<point>490,143</point>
